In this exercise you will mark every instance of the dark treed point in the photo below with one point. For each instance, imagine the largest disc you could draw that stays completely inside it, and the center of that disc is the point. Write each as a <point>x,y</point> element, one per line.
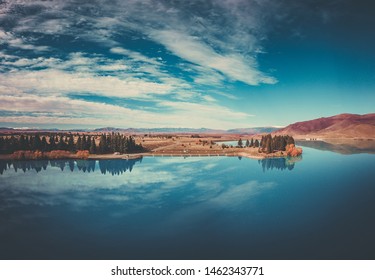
<point>108,143</point>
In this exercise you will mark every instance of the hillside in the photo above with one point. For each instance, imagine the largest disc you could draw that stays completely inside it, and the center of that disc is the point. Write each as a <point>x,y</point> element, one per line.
<point>339,126</point>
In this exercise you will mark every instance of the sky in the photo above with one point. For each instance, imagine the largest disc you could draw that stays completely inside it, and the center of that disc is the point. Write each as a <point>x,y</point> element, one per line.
<point>168,63</point>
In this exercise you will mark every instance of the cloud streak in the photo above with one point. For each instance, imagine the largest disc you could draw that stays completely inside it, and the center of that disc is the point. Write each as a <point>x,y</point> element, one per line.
<point>172,55</point>
<point>233,66</point>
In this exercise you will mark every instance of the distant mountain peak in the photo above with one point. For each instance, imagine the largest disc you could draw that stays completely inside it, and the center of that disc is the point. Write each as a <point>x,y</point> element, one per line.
<point>339,126</point>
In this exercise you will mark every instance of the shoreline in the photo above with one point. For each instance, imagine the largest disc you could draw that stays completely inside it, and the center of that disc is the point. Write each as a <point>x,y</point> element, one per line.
<point>151,154</point>
<point>174,146</point>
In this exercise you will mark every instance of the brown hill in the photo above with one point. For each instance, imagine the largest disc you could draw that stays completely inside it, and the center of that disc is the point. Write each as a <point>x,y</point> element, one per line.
<point>339,126</point>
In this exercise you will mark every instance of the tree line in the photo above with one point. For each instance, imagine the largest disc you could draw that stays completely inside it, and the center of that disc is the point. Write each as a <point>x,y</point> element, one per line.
<point>269,144</point>
<point>108,143</point>
<point>248,143</point>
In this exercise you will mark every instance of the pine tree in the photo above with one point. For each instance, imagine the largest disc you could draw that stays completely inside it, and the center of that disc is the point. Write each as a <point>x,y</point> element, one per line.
<point>269,146</point>
<point>79,143</point>
<point>8,147</point>
<point>263,143</point>
<point>71,143</point>
<point>83,143</point>
<point>22,143</point>
<point>92,146</point>
<point>108,142</point>
<point>102,144</point>
<point>124,146</point>
<point>256,143</point>
<point>240,142</point>
<point>52,144</point>
<point>37,143</point>
<point>290,140</point>
<point>61,143</point>
<point>2,145</point>
<point>283,143</point>
<point>44,144</point>
<point>247,143</point>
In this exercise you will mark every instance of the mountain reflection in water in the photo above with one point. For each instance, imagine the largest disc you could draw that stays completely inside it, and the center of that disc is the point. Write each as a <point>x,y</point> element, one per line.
<point>341,146</point>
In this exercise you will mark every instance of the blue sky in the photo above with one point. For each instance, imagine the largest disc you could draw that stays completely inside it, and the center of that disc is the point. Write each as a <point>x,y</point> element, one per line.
<point>215,64</point>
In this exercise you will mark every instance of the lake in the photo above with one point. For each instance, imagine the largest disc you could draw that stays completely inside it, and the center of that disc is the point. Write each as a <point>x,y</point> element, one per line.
<point>321,206</point>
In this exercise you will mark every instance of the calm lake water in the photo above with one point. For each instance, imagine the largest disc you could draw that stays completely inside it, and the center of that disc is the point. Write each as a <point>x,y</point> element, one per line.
<point>318,207</point>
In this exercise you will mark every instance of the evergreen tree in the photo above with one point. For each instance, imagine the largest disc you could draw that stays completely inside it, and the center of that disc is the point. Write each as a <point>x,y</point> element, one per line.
<point>22,143</point>
<point>44,144</point>
<point>283,143</point>
<point>118,143</point>
<point>108,139</point>
<point>79,143</point>
<point>92,146</point>
<point>275,142</point>
<point>8,146</point>
<point>247,143</point>
<point>52,144</point>
<point>130,144</point>
<point>269,145</point>
<point>61,143</point>
<point>37,143</point>
<point>83,143</point>
<point>290,140</point>
<point>124,146</point>
<point>263,143</point>
<point>102,144</point>
<point>240,142</point>
<point>2,145</point>
<point>71,143</point>
<point>256,143</point>
<point>31,141</point>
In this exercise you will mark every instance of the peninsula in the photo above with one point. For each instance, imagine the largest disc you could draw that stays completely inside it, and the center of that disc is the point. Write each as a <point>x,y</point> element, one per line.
<point>120,146</point>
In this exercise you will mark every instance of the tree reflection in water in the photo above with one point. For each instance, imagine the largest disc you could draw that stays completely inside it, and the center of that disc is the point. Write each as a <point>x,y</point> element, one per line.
<point>117,166</point>
<point>111,166</point>
<point>279,163</point>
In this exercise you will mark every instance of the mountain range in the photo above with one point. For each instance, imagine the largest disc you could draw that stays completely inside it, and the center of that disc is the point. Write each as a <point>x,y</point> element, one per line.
<point>345,126</point>
<point>338,126</point>
<point>182,130</point>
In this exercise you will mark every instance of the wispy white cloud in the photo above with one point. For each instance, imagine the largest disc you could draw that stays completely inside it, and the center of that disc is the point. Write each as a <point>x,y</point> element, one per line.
<point>56,81</point>
<point>192,44</point>
<point>63,110</point>
<point>135,56</point>
<point>19,43</point>
<point>234,66</point>
<point>193,31</point>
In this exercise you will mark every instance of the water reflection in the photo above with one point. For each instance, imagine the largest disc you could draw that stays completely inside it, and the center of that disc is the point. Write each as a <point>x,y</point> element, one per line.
<point>279,163</point>
<point>114,167</point>
<point>176,208</point>
<point>342,146</point>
